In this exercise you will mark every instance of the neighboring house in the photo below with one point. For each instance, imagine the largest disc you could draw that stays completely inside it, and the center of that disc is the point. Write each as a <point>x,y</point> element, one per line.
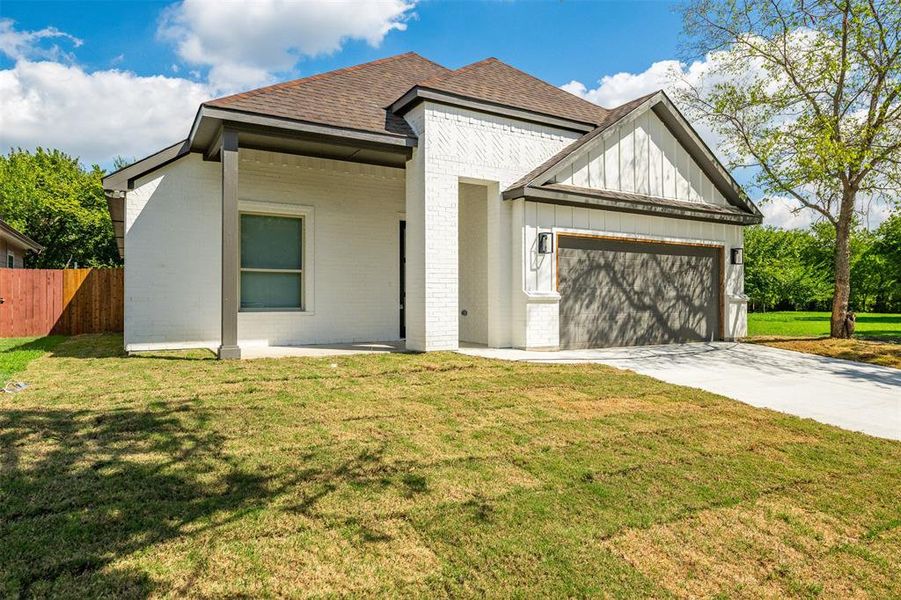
<point>400,199</point>
<point>14,245</point>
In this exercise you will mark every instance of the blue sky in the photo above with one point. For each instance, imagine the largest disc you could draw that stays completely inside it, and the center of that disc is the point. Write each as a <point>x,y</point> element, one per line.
<point>559,41</point>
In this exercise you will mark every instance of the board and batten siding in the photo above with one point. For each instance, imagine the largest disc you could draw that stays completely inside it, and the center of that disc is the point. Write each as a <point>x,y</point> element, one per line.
<point>641,157</point>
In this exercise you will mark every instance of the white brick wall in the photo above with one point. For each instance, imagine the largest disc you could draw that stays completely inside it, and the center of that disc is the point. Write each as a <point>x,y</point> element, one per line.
<point>172,251</point>
<point>458,145</point>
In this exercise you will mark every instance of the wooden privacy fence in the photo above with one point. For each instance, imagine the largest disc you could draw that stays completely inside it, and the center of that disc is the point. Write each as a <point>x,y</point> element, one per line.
<point>61,301</point>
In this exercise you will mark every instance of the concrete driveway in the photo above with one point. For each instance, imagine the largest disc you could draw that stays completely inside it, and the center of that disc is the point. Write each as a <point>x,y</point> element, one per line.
<point>855,396</point>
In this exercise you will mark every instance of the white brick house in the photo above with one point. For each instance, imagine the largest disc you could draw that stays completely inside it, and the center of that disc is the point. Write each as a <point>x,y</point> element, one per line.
<point>402,200</point>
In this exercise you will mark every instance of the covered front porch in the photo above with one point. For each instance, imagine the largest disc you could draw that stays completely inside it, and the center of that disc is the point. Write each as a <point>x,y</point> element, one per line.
<point>311,240</point>
<point>370,246</point>
<point>275,235</point>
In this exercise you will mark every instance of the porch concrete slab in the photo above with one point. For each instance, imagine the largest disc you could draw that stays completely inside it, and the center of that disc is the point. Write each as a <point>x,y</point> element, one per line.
<point>854,396</point>
<point>321,350</point>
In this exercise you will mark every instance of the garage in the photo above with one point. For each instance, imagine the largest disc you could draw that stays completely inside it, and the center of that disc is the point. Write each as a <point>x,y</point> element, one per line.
<point>619,292</point>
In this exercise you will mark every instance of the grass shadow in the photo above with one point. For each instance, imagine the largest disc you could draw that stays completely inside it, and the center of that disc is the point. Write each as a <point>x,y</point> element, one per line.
<point>113,346</point>
<point>89,495</point>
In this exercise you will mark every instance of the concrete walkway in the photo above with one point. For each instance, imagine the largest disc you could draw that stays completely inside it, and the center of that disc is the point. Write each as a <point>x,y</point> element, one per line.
<point>855,396</point>
<point>319,350</point>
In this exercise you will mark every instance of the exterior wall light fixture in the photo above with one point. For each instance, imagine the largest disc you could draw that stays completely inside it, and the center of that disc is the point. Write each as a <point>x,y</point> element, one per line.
<point>545,242</point>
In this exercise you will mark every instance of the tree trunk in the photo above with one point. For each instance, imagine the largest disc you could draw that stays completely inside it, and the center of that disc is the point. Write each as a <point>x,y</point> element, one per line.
<point>842,292</point>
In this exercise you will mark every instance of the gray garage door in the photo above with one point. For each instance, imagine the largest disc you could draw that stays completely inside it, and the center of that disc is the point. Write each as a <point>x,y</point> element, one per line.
<point>618,293</point>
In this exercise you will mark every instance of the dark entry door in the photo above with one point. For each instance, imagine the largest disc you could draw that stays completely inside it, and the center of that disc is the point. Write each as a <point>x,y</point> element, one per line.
<point>403,279</point>
<point>626,293</point>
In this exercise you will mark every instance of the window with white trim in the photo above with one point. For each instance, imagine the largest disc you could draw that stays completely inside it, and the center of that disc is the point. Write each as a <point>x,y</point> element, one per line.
<point>10,260</point>
<point>272,260</point>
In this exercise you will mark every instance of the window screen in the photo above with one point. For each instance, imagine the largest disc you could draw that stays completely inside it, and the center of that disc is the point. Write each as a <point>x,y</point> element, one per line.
<point>271,262</point>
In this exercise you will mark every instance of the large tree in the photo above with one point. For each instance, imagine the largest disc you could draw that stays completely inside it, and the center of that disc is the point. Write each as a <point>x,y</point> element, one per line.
<point>53,199</point>
<point>807,94</point>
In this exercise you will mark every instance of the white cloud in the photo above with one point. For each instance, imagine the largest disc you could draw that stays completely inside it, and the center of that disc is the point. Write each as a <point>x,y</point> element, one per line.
<point>667,75</point>
<point>47,99</point>
<point>781,211</point>
<point>96,115</point>
<point>613,90</point>
<point>247,44</point>
<point>25,45</point>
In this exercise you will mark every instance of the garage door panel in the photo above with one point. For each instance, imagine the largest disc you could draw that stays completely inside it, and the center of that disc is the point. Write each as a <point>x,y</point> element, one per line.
<point>619,293</point>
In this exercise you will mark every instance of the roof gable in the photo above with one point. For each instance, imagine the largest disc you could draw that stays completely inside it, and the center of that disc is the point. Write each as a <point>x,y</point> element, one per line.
<point>577,155</point>
<point>355,97</point>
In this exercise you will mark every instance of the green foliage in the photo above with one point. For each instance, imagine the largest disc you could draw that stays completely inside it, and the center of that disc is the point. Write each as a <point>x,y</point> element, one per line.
<point>53,199</point>
<point>792,269</point>
<point>808,92</point>
<point>884,327</point>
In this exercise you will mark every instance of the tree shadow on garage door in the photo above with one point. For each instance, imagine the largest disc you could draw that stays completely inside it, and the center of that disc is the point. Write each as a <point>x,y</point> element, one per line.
<point>629,298</point>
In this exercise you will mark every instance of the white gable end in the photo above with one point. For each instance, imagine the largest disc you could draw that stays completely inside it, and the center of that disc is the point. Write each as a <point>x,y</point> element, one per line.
<point>641,156</point>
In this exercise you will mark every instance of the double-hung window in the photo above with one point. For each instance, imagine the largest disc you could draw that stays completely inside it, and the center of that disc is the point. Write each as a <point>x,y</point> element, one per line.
<point>272,262</point>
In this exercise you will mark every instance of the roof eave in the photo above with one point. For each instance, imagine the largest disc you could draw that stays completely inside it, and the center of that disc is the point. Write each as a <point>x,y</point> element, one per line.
<point>209,120</point>
<point>548,169</point>
<point>22,239</point>
<point>613,202</point>
<point>215,116</point>
<point>123,179</point>
<point>664,108</point>
<point>673,118</point>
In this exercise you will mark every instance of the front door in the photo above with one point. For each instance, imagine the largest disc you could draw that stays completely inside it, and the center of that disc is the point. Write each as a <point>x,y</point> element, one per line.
<point>403,279</point>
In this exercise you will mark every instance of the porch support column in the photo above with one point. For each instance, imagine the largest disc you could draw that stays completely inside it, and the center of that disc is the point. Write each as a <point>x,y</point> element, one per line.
<point>432,265</point>
<point>228,348</point>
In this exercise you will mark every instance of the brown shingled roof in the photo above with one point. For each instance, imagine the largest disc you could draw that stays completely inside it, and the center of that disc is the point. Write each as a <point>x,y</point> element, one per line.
<point>354,98</point>
<point>494,81</point>
<point>357,97</point>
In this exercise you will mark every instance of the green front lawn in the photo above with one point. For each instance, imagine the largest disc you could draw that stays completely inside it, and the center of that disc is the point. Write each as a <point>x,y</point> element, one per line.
<point>873,326</point>
<point>877,337</point>
<point>425,475</point>
<point>16,353</point>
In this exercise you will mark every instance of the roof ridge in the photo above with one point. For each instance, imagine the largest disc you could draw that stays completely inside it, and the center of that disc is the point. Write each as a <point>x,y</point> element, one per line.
<point>463,69</point>
<point>492,59</point>
<point>319,76</point>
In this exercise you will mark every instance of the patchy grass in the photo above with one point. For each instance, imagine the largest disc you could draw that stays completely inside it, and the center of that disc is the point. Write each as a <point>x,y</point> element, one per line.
<point>16,353</point>
<point>872,326</point>
<point>878,353</point>
<point>425,475</point>
<point>877,338</point>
